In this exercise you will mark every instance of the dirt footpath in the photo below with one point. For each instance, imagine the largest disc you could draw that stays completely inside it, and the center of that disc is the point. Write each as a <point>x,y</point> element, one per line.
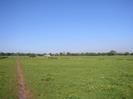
<point>23,92</point>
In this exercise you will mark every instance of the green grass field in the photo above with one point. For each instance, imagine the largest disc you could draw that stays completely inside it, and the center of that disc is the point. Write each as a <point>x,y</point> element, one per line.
<point>8,78</point>
<point>93,77</point>
<point>66,77</point>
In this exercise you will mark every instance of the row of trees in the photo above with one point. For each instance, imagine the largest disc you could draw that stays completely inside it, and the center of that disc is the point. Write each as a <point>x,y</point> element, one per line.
<point>110,53</point>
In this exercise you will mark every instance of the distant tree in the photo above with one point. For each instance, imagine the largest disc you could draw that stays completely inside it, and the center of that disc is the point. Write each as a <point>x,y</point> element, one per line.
<point>112,52</point>
<point>32,55</point>
<point>68,53</point>
<point>126,53</point>
<point>92,54</point>
<point>131,53</point>
<point>61,54</point>
<point>2,54</point>
<point>51,54</point>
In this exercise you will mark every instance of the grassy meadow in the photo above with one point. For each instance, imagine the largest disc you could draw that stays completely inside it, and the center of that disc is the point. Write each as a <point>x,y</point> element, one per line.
<point>80,77</point>
<point>8,78</point>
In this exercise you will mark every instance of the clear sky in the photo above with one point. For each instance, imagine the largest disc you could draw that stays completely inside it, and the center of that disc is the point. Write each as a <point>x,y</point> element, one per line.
<point>66,25</point>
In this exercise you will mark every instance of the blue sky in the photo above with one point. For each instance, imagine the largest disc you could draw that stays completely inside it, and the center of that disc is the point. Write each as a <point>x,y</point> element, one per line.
<point>66,25</point>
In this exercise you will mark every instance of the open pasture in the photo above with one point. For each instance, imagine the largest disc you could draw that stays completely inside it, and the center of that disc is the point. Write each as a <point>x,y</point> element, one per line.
<point>80,77</point>
<point>8,78</point>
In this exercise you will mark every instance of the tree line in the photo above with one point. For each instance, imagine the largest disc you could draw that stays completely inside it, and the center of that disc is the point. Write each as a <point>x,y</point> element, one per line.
<point>110,53</point>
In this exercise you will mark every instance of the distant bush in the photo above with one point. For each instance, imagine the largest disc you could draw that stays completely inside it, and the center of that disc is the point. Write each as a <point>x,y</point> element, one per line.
<point>32,55</point>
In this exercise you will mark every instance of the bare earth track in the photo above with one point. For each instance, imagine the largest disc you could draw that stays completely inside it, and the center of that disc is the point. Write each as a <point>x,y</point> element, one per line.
<point>23,93</point>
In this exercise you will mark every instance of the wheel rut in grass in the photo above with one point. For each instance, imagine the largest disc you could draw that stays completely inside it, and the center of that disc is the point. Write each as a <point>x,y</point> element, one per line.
<point>23,92</point>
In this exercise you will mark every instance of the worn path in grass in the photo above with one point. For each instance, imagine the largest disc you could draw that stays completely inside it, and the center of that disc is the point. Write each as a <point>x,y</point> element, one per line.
<point>23,92</point>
